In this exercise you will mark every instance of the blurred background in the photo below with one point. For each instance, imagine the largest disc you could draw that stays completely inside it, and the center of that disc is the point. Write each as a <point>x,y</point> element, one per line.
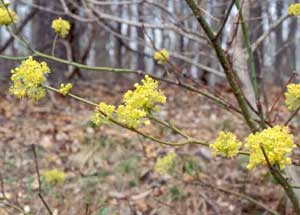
<point>127,33</point>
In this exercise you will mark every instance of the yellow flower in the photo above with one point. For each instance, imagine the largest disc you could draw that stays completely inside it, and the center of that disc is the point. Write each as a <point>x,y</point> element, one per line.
<point>107,109</point>
<point>7,16</point>
<point>130,115</point>
<point>277,143</point>
<point>161,56</point>
<point>294,9</point>
<point>54,176</point>
<point>145,96</point>
<point>98,118</point>
<point>164,164</point>
<point>61,27</point>
<point>140,101</point>
<point>28,79</point>
<point>135,105</point>
<point>226,145</point>
<point>292,96</point>
<point>64,89</point>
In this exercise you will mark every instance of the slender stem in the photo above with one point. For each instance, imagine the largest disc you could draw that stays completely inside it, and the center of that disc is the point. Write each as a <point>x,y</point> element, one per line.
<point>292,116</point>
<point>39,180</point>
<point>171,126</point>
<point>189,140</point>
<point>15,58</point>
<point>224,20</point>
<point>54,45</point>
<point>240,195</point>
<point>281,93</point>
<point>114,121</point>
<point>82,66</point>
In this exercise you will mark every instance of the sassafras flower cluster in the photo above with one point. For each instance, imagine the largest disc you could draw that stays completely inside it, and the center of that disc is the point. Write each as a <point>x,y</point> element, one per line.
<point>161,56</point>
<point>136,105</point>
<point>277,143</point>
<point>28,79</point>
<point>54,176</point>
<point>7,16</point>
<point>292,96</point>
<point>164,164</point>
<point>61,27</point>
<point>226,145</point>
<point>294,9</point>
<point>98,118</point>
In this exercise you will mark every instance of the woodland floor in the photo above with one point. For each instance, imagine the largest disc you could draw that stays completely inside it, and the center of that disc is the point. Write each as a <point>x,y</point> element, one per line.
<point>110,170</point>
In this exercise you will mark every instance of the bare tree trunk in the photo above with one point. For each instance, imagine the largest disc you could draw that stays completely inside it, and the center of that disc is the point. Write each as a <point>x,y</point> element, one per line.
<point>43,36</point>
<point>218,10</point>
<point>118,45</point>
<point>278,64</point>
<point>74,40</point>
<point>291,41</point>
<point>256,26</point>
<point>240,56</point>
<point>140,33</point>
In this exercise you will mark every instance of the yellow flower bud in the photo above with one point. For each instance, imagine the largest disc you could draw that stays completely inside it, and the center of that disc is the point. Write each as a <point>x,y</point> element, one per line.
<point>64,89</point>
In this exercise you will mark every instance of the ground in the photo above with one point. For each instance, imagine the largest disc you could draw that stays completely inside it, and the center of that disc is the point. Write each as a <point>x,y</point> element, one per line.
<point>110,170</point>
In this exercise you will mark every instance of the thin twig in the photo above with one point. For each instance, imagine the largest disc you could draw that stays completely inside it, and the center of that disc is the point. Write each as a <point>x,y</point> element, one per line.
<point>224,20</point>
<point>39,179</point>
<point>292,116</point>
<point>281,93</point>
<point>237,194</point>
<point>54,45</point>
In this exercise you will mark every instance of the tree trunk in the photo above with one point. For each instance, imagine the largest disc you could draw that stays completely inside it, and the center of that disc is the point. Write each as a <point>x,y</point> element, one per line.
<point>118,45</point>
<point>140,34</point>
<point>278,64</point>
<point>240,56</point>
<point>256,30</point>
<point>43,36</point>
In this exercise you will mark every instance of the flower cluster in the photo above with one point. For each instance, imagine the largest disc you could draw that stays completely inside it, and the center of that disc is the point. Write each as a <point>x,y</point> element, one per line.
<point>28,79</point>
<point>226,145</point>
<point>136,104</point>
<point>292,96</point>
<point>7,16</point>
<point>277,143</point>
<point>64,89</point>
<point>294,9</point>
<point>164,164</point>
<point>61,27</point>
<point>130,115</point>
<point>54,176</point>
<point>103,111</point>
<point>161,56</point>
